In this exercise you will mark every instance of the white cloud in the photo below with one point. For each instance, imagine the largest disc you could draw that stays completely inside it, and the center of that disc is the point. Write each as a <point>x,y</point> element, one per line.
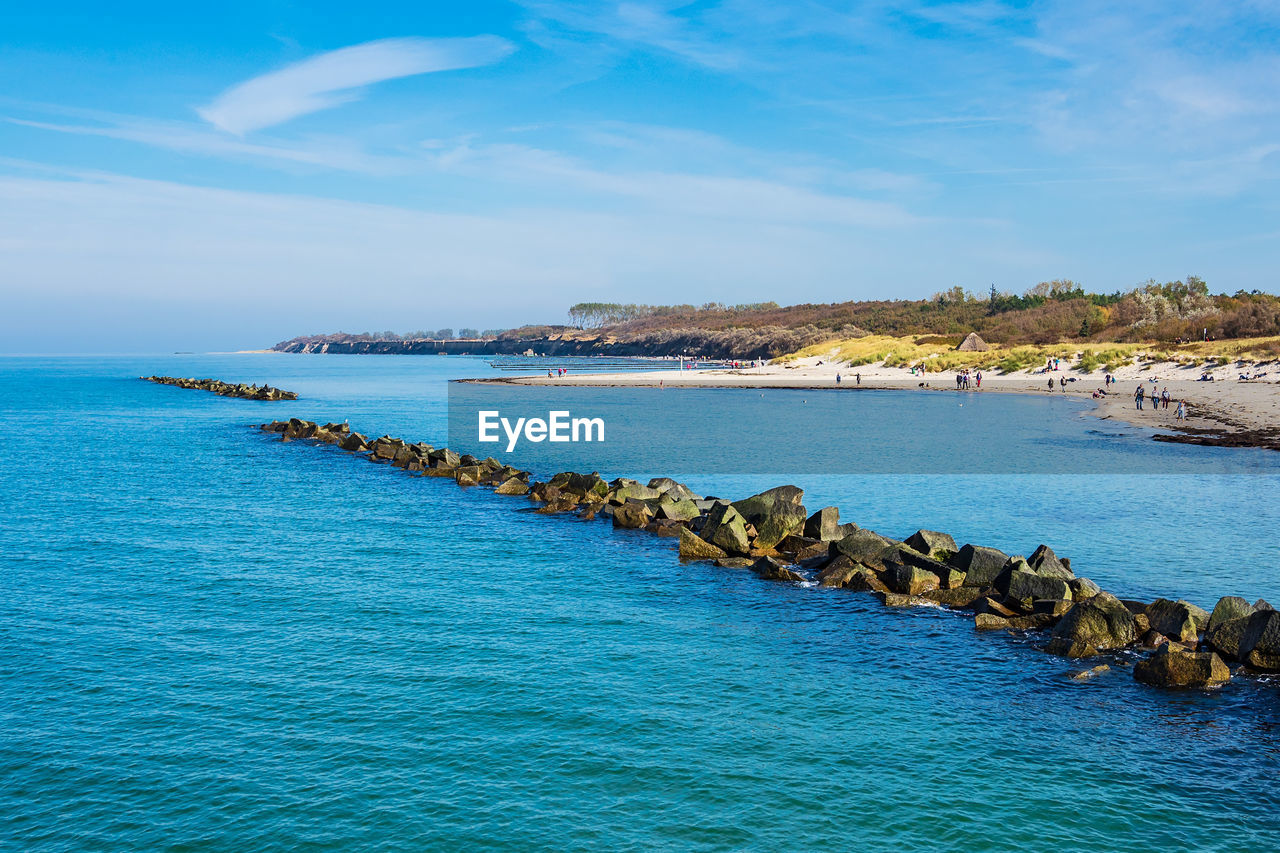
<point>330,79</point>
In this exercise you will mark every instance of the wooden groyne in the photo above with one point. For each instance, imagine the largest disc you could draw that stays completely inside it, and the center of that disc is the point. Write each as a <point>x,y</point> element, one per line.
<point>774,536</point>
<point>225,389</point>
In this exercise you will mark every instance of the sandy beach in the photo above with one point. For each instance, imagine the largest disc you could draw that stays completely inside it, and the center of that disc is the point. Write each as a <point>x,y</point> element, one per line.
<point>1224,411</point>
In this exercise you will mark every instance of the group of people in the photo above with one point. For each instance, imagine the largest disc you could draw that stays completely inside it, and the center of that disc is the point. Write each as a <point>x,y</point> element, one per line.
<point>964,378</point>
<point>857,378</point>
<point>1159,401</point>
<point>556,372</point>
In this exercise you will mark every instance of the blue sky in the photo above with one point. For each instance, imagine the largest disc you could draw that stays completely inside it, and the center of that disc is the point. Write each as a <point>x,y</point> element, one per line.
<point>175,178</point>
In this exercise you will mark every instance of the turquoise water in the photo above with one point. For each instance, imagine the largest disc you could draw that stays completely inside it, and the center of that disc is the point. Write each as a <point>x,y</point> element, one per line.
<point>213,641</point>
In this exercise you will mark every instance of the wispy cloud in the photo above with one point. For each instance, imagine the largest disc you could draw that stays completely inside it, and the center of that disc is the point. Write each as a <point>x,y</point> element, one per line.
<point>333,78</point>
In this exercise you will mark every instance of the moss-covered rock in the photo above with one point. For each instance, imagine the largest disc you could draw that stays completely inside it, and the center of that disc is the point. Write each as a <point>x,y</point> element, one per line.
<point>1170,667</point>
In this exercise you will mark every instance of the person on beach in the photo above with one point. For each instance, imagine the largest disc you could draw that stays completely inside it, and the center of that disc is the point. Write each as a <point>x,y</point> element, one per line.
<point>1181,414</point>
<point>1164,398</point>
<point>978,379</point>
<point>1138,395</point>
<point>857,378</point>
<point>1062,381</point>
<point>1050,384</point>
<point>837,378</point>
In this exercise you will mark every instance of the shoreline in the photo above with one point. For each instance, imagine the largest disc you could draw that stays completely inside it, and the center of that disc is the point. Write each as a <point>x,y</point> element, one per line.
<point>1225,412</point>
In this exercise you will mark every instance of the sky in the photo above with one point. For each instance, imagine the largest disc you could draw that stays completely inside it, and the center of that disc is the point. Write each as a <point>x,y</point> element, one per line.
<point>176,178</point>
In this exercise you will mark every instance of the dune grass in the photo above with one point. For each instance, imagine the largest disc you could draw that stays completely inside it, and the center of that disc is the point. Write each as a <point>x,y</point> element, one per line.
<point>935,356</point>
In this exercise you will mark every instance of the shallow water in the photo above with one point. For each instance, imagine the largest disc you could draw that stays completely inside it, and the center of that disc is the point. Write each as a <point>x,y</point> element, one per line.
<point>212,640</point>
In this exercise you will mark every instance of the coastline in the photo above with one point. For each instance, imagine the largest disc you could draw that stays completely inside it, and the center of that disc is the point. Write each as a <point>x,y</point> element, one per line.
<point>1224,412</point>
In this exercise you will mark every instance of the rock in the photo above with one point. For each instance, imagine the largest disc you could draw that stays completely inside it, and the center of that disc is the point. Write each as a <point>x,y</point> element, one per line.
<point>1225,637</point>
<point>1101,622</point>
<point>1261,604</point>
<point>980,565</point>
<point>778,523</point>
<point>860,546</point>
<point>694,547</point>
<point>865,580</point>
<point>773,570</point>
<point>1025,588</point>
<point>465,477</point>
<point>990,622</point>
<point>824,525</point>
<point>1179,620</point>
<point>1032,621</point>
<point>680,510</point>
<point>1229,607</point>
<point>1141,624</point>
<point>1082,588</point>
<point>735,562</point>
<point>726,528</point>
<point>908,580</point>
<point>803,548</point>
<point>1152,639</point>
<point>668,486</point>
<point>1053,607</point>
<point>632,515</point>
<point>757,506</point>
<point>1014,564</point>
<point>354,442</point>
<point>1177,668</point>
<point>512,487</point>
<point>931,543</point>
<point>1089,674</point>
<point>893,599</point>
<point>1070,648</point>
<point>837,572</point>
<point>1044,562</point>
<point>584,485</point>
<point>444,458</point>
<point>664,527</point>
<point>1260,642</point>
<point>959,597</point>
<point>986,604</point>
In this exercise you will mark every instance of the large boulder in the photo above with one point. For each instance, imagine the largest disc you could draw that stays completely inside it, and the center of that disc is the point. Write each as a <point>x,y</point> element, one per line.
<point>837,572</point>
<point>773,570</point>
<point>694,547</point>
<point>677,510</point>
<point>980,564</point>
<point>1082,588</point>
<point>757,505</point>
<point>353,442</point>
<point>777,524</point>
<point>1025,588</point>
<point>908,580</point>
<point>632,491</point>
<point>1170,667</point>
<point>775,514</point>
<point>727,529</point>
<point>632,515</point>
<point>1229,607</point>
<point>861,546</point>
<point>825,525</point>
<point>1177,620</point>
<point>1225,637</point>
<point>1044,562</point>
<point>1101,622</point>
<point>512,486</point>
<point>961,597</point>
<point>931,543</point>
<point>668,486</point>
<point>1260,642</point>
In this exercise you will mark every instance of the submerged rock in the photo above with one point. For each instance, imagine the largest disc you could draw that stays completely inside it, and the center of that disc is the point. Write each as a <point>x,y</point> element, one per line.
<point>773,570</point>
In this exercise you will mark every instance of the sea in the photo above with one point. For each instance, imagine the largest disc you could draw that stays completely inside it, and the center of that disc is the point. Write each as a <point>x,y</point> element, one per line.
<point>213,640</point>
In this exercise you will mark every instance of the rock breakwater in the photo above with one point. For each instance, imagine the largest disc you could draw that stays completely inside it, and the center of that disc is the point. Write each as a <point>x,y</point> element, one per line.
<point>1170,644</point>
<point>225,389</point>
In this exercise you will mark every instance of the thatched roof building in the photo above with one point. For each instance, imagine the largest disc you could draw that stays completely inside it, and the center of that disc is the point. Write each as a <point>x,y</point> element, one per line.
<point>973,343</point>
